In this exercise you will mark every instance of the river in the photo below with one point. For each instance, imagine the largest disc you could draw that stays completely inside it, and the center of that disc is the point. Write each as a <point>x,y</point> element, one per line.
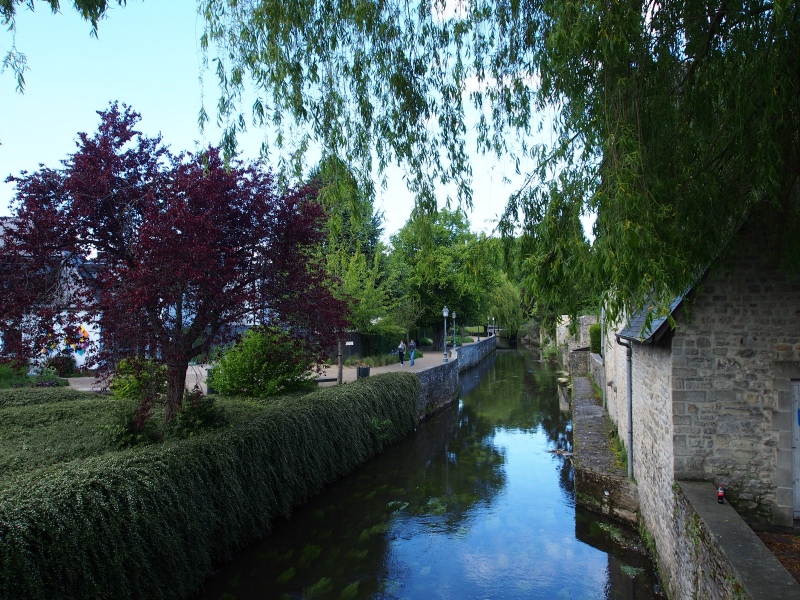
<point>477,504</point>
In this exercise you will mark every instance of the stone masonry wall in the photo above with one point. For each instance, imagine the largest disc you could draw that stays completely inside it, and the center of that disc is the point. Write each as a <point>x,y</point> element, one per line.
<point>733,361</point>
<point>439,384</point>
<point>652,447</point>
<point>472,354</point>
<point>566,343</point>
<point>616,381</point>
<point>438,388</point>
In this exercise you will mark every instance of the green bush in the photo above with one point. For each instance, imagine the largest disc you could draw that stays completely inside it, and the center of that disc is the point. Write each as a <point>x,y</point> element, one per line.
<point>197,414</point>
<point>550,354</point>
<point>152,521</point>
<point>382,342</point>
<point>64,365</point>
<point>426,342</point>
<point>12,370</point>
<point>39,435</point>
<point>595,341</point>
<point>139,378</point>
<point>138,386</point>
<point>264,362</point>
<point>27,395</point>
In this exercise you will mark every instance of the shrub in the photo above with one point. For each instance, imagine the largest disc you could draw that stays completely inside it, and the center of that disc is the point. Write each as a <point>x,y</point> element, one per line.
<point>151,522</point>
<point>138,384</point>
<point>595,341</point>
<point>550,354</point>
<point>264,362</point>
<point>64,365</point>
<point>27,396</point>
<point>198,413</point>
<point>43,434</point>
<point>12,370</point>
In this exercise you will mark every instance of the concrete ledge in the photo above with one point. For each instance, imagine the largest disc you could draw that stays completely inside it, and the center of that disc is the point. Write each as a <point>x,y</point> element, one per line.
<point>599,484</point>
<point>729,561</point>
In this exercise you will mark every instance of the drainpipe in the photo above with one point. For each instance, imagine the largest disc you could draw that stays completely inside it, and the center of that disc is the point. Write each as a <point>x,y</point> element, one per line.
<point>603,352</point>
<point>630,405</point>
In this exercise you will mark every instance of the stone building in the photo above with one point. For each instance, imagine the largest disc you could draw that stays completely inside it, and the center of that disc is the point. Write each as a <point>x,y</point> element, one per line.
<point>716,398</point>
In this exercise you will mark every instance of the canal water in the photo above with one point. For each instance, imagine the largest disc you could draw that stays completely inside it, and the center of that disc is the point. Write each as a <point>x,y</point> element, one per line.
<point>478,503</point>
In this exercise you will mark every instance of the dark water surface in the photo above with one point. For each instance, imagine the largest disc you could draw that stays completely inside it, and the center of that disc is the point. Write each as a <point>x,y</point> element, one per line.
<point>473,505</point>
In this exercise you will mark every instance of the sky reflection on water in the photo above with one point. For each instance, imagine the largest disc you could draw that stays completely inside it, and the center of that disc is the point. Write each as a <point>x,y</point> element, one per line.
<point>474,505</point>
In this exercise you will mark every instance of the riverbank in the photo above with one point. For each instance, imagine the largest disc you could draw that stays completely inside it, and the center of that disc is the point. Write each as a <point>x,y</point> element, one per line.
<point>197,373</point>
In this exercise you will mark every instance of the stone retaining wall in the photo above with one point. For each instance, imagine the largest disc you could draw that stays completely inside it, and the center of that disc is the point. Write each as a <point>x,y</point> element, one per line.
<point>439,384</point>
<point>717,554</point>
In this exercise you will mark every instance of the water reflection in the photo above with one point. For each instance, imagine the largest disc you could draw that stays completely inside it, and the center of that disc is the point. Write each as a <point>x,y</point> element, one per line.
<point>474,505</point>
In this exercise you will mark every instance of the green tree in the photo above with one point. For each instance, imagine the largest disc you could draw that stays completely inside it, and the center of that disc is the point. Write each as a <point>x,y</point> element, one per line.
<point>439,262</point>
<point>352,251</point>
<point>673,121</point>
<point>507,305</point>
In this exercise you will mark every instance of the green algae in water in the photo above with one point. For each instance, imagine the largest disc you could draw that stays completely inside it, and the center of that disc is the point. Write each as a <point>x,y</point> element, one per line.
<point>310,553</point>
<point>379,529</point>
<point>286,576</point>
<point>320,589</point>
<point>350,592</point>
<point>332,556</point>
<point>436,507</point>
<point>358,554</point>
<point>632,572</point>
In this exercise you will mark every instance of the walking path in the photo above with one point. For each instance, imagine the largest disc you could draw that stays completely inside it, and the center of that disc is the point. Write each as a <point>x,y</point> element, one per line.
<point>196,375</point>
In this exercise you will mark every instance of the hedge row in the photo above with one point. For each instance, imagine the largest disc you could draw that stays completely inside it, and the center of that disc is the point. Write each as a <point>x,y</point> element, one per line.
<point>27,395</point>
<point>38,435</point>
<point>152,522</point>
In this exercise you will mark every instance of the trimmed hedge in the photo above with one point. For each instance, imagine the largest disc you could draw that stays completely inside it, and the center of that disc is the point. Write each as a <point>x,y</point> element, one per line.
<point>28,396</point>
<point>595,341</point>
<point>151,522</point>
<point>39,435</point>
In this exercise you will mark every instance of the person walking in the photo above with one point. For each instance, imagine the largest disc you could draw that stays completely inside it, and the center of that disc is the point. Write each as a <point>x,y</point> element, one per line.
<point>401,351</point>
<point>411,347</point>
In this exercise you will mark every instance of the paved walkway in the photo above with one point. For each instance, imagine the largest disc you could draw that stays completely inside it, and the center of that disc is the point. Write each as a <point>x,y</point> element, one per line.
<point>196,375</point>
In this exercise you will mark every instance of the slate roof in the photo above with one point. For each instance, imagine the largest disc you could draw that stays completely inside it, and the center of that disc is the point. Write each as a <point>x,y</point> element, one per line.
<point>635,331</point>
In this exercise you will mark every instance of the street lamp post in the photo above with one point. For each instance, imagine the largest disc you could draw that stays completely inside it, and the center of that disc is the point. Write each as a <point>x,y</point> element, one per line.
<point>455,331</point>
<point>445,313</point>
<point>488,326</point>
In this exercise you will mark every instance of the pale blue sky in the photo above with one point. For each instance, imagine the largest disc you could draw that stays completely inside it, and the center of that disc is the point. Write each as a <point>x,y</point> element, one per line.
<point>146,55</point>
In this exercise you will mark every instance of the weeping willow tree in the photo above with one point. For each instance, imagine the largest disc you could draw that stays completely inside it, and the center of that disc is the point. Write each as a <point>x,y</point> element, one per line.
<point>673,122</point>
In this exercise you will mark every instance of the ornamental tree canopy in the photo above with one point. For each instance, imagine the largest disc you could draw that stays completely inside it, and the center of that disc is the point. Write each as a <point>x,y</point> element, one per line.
<point>673,121</point>
<point>185,251</point>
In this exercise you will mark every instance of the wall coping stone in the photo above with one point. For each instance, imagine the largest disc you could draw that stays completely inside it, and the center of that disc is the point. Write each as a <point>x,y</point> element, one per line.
<point>757,570</point>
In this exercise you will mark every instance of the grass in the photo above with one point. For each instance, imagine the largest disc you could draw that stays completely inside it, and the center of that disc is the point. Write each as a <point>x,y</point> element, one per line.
<point>616,445</point>
<point>379,361</point>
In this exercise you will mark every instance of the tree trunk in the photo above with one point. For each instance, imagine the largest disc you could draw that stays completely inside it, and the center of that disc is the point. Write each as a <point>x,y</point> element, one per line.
<point>176,384</point>
<point>438,337</point>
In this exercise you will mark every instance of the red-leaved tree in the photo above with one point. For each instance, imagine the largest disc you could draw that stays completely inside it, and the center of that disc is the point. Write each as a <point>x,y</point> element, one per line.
<point>168,254</point>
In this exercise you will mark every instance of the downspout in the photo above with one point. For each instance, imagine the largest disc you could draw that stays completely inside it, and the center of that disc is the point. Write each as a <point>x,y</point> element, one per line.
<point>630,404</point>
<point>603,352</point>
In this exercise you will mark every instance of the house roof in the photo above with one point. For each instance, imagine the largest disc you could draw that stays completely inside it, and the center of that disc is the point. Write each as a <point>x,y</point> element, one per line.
<point>635,330</point>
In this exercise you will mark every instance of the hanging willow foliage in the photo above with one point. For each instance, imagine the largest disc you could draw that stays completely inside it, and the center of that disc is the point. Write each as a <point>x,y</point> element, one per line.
<point>151,522</point>
<point>671,121</point>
